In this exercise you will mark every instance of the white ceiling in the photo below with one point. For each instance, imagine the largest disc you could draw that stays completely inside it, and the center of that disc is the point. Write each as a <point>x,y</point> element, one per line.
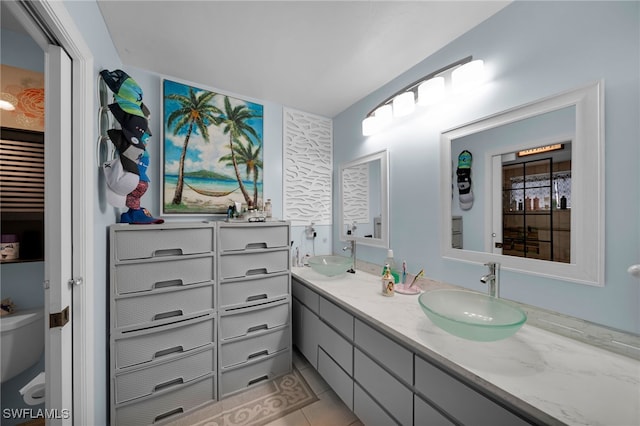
<point>316,56</point>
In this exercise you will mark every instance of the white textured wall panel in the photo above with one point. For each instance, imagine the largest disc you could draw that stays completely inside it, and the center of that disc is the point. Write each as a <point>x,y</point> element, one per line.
<point>308,168</point>
<point>355,194</point>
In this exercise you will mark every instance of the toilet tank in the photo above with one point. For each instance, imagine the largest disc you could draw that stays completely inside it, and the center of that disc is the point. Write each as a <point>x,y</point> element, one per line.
<point>22,334</point>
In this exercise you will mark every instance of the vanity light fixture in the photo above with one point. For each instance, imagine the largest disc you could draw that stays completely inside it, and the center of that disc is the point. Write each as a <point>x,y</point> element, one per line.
<point>428,90</point>
<point>541,149</point>
<point>6,104</point>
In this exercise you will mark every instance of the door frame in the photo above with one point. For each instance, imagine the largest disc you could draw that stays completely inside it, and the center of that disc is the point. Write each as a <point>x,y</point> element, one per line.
<point>55,19</point>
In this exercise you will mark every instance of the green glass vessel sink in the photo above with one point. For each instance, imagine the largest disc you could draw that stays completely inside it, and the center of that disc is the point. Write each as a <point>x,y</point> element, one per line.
<point>330,266</point>
<point>472,316</point>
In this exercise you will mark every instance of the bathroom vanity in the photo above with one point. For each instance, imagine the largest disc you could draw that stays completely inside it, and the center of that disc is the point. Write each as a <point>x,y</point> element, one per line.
<point>391,365</point>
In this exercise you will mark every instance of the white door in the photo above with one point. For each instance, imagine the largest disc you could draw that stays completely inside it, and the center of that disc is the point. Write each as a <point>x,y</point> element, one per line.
<point>58,234</point>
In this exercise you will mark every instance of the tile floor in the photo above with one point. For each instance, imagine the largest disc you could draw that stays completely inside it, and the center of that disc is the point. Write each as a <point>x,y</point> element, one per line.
<point>329,410</point>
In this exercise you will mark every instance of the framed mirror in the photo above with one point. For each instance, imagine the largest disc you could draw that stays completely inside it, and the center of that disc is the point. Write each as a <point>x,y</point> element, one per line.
<point>525,187</point>
<point>364,200</point>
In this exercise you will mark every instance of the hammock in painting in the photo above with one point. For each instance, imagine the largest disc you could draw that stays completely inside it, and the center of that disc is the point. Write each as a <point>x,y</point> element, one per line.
<point>211,193</point>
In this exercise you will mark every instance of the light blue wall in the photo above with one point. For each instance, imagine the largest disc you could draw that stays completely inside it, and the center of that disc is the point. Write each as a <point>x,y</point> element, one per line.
<point>531,50</point>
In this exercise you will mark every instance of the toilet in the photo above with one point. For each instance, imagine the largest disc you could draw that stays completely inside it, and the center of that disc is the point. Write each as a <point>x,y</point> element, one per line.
<point>22,341</point>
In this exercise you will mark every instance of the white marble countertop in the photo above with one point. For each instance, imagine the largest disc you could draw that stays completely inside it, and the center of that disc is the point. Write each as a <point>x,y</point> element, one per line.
<point>554,378</point>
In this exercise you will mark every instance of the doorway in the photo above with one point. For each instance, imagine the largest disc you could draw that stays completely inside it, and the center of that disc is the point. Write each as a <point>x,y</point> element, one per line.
<point>49,24</point>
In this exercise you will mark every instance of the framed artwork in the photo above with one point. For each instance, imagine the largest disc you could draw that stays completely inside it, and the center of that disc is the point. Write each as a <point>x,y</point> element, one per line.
<point>212,151</point>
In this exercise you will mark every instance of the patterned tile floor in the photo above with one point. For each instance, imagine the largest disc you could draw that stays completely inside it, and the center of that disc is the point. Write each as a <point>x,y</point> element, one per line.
<point>329,410</point>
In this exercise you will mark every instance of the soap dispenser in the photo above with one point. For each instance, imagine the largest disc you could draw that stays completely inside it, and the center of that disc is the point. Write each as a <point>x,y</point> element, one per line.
<point>388,286</point>
<point>393,266</point>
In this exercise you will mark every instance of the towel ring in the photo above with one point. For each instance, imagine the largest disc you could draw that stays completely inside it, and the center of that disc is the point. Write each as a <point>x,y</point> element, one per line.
<point>104,150</point>
<point>102,92</point>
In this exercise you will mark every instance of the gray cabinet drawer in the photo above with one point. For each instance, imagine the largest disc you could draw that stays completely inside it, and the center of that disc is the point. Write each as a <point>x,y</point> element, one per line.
<point>138,277</point>
<point>306,327</point>
<point>167,404</point>
<point>151,242</point>
<point>259,236</point>
<point>456,240</point>
<point>247,264</point>
<point>457,399</point>
<point>251,374</point>
<point>163,375</point>
<point>253,289</point>
<point>336,346</point>
<point>142,346</point>
<point>305,295</point>
<point>424,414</point>
<point>337,317</point>
<point>162,306</point>
<point>336,377</point>
<point>242,351</point>
<point>386,351</point>
<point>383,387</point>
<point>368,411</point>
<point>254,319</point>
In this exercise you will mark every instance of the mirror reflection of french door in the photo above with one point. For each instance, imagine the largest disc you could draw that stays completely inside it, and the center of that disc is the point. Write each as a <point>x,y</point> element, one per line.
<point>533,199</point>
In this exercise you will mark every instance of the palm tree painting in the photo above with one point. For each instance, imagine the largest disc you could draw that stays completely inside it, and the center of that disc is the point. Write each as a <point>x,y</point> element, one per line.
<point>212,151</point>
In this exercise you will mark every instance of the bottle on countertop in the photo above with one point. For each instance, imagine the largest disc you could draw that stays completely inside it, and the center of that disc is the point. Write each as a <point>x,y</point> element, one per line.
<point>267,208</point>
<point>563,202</point>
<point>388,285</point>
<point>393,266</point>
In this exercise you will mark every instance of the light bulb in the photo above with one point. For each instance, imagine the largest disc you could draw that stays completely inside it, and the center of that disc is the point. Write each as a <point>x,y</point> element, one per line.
<point>431,91</point>
<point>384,114</point>
<point>370,126</point>
<point>404,104</point>
<point>468,76</point>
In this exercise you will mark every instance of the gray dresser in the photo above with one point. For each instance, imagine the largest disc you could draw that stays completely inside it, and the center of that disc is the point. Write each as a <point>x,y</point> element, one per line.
<point>254,303</point>
<point>198,311</point>
<point>162,320</point>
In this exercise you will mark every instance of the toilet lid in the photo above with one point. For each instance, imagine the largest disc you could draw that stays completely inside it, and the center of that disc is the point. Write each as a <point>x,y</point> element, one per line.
<point>20,318</point>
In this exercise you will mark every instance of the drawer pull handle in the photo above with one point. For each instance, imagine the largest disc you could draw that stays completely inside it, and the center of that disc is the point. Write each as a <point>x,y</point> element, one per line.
<point>256,297</point>
<point>165,352</point>
<point>170,314</point>
<point>257,354</point>
<point>257,271</point>
<point>169,283</point>
<point>163,416</point>
<point>167,252</point>
<point>257,328</point>
<point>258,379</point>
<point>256,246</point>
<point>169,383</point>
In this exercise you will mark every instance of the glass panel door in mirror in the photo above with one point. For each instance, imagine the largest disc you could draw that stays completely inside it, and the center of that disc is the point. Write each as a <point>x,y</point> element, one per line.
<point>536,197</point>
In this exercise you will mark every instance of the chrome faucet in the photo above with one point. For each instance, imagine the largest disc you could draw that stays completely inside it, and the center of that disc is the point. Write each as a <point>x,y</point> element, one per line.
<point>352,248</point>
<point>492,279</point>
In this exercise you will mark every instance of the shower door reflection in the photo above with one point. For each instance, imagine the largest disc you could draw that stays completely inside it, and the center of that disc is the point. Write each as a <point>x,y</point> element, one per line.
<point>536,215</point>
